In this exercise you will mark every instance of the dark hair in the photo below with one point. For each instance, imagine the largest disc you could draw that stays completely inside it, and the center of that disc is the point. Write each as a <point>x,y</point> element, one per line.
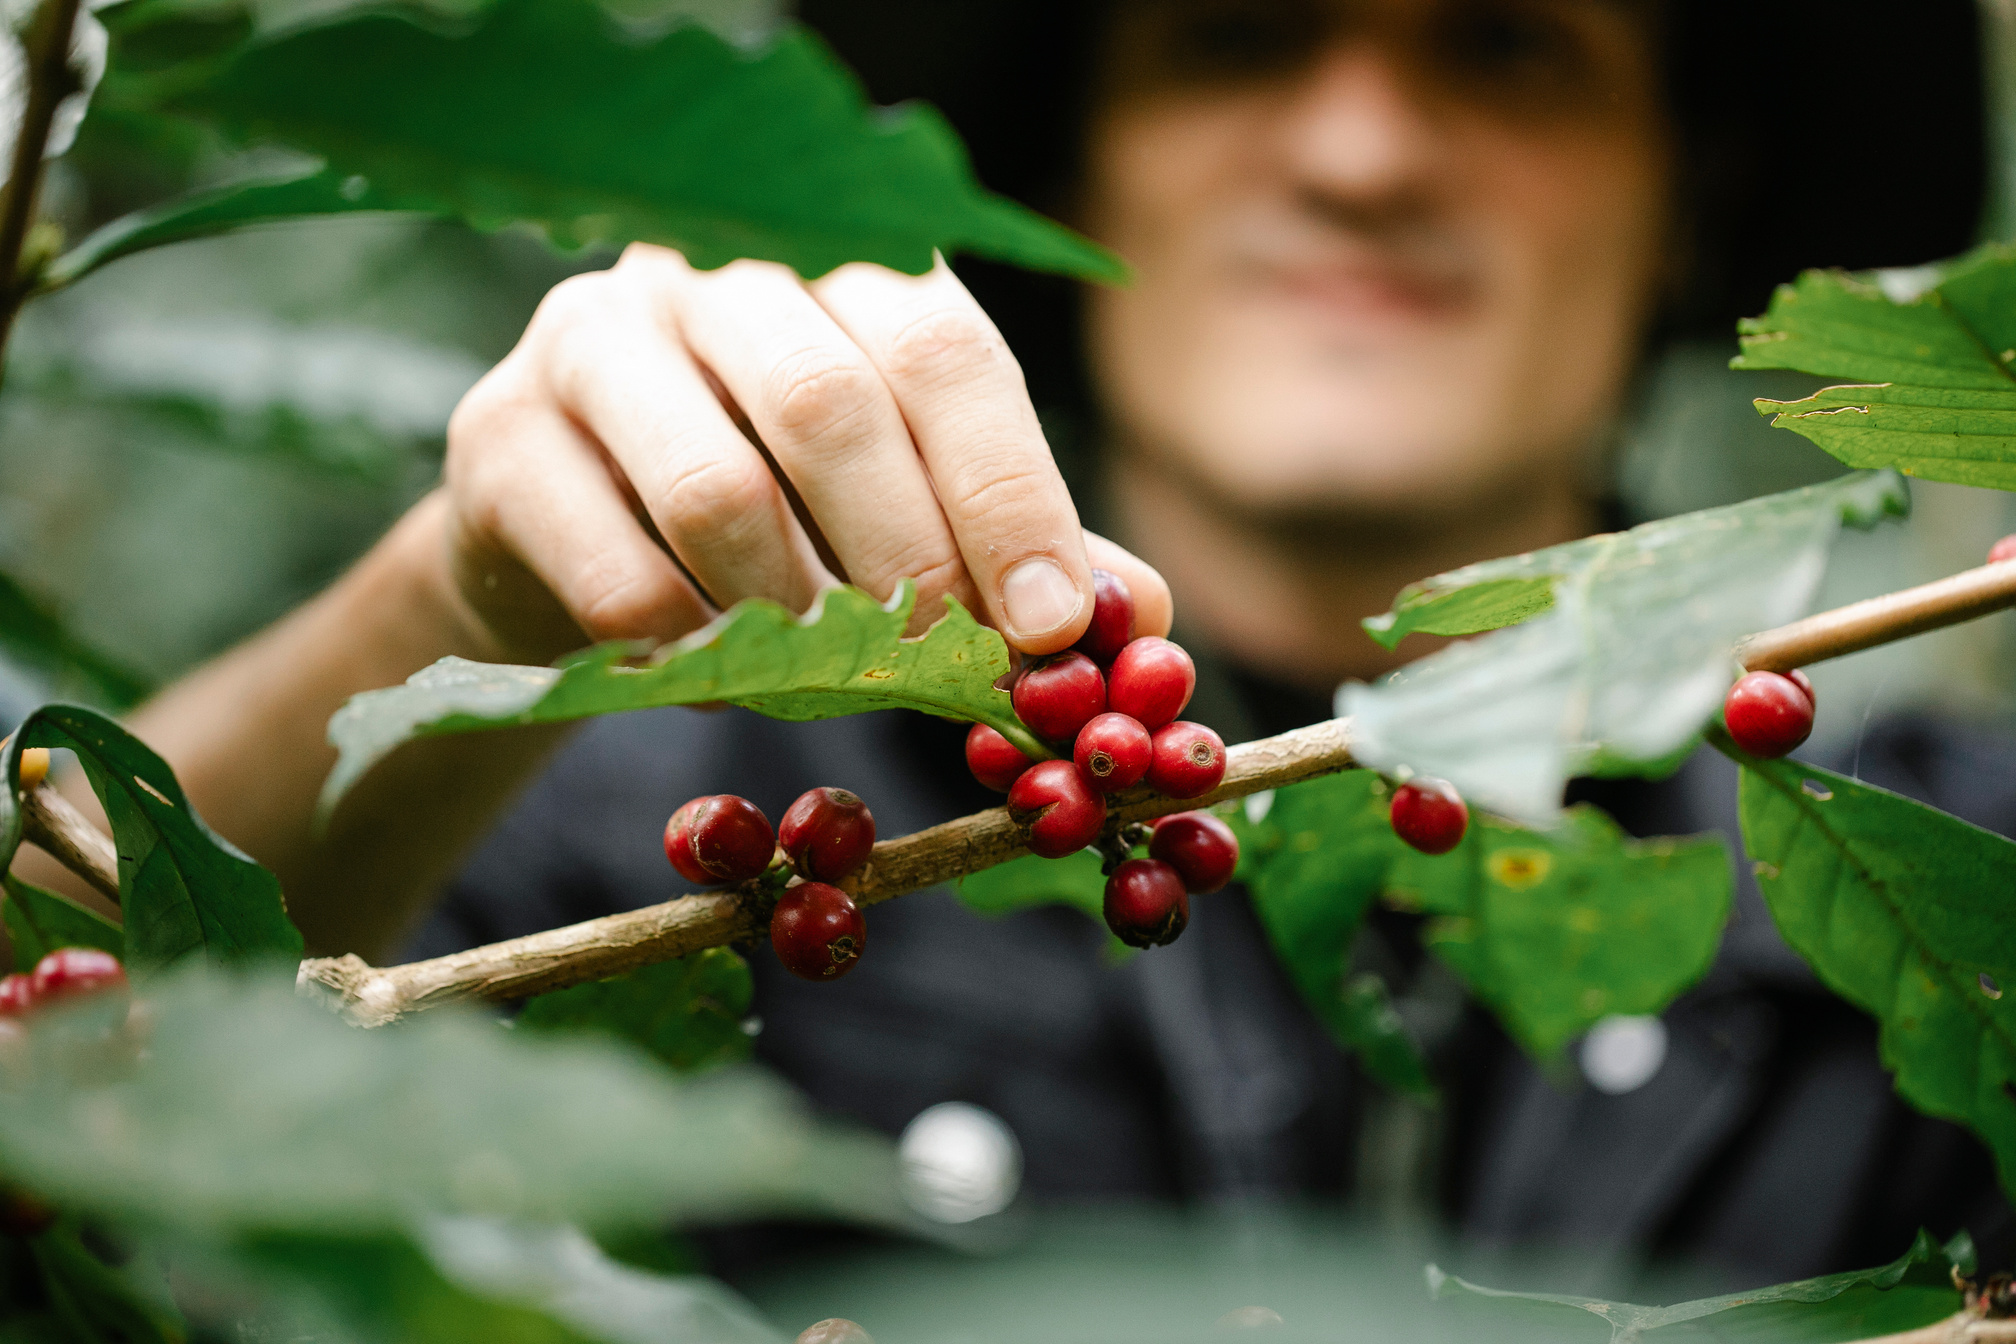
<point>1814,133</point>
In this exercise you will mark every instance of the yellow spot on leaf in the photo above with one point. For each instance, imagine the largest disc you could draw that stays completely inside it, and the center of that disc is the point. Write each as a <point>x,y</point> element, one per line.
<point>1519,868</point>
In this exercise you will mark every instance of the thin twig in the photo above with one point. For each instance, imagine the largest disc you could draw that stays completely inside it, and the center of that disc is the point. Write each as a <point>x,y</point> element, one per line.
<point>51,79</point>
<point>54,825</point>
<point>1965,596</point>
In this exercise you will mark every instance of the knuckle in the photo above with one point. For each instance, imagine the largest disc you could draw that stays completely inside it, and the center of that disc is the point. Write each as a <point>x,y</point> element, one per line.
<point>934,571</point>
<point>614,601</point>
<point>817,392</point>
<point>486,414</point>
<point>577,299</point>
<point>1002,492</point>
<point>945,344</point>
<point>715,501</point>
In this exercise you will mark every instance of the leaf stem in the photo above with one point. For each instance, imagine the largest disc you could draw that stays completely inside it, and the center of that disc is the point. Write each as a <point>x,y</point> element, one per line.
<point>51,79</point>
<point>1961,597</point>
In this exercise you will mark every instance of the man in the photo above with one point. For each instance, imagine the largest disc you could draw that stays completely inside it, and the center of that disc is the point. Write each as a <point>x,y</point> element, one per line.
<point>1398,262</point>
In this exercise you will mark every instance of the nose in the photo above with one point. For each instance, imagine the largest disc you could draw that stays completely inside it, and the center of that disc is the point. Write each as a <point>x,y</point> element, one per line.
<point>1359,128</point>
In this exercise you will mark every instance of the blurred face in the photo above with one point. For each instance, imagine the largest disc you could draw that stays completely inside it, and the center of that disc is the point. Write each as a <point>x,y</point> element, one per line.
<point>1391,254</point>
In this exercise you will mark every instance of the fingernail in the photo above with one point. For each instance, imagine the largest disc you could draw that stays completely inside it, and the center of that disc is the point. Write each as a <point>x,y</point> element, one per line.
<point>1038,597</point>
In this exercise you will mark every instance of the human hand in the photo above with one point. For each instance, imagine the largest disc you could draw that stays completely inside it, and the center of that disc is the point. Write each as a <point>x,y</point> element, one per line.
<point>605,479</point>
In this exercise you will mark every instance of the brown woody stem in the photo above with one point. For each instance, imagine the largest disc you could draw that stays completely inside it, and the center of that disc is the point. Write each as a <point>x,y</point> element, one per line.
<point>1960,1328</point>
<point>53,825</point>
<point>46,47</point>
<point>1965,596</point>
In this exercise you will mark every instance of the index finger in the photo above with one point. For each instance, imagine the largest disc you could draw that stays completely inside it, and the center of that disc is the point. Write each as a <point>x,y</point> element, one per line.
<point>961,394</point>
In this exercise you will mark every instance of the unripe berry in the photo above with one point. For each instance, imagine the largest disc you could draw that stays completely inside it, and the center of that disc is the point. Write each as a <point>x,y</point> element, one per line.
<point>1113,752</point>
<point>1768,714</point>
<point>73,971</point>
<point>1112,618</point>
<point>1063,815</point>
<point>17,994</point>
<point>1151,681</point>
<point>1200,847</point>
<point>828,834</point>
<point>1146,905</point>
<point>817,931</point>
<point>34,766</point>
<point>1189,760</point>
<point>1058,695</point>
<point>719,839</point>
<point>1429,814</point>
<point>2004,549</point>
<point>993,759</point>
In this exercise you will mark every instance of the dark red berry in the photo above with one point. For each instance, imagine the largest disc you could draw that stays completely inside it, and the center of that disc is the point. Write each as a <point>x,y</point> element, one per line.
<point>1062,813</point>
<point>1429,814</point>
<point>719,839</point>
<point>1189,760</point>
<point>818,931</point>
<point>70,971</point>
<point>828,834</point>
<point>993,759</point>
<point>2004,549</point>
<point>1768,714</point>
<point>17,994</point>
<point>1151,681</point>
<point>1112,618</point>
<point>1057,696</point>
<point>1200,847</point>
<point>1146,904</point>
<point>23,1215</point>
<point>1113,752</point>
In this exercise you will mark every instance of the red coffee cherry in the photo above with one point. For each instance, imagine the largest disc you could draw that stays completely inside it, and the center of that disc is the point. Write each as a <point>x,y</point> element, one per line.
<point>17,994</point>
<point>1113,752</point>
<point>1112,618</point>
<point>2004,549</point>
<point>817,931</point>
<point>1429,814</point>
<point>1189,760</point>
<point>828,834</point>
<point>1804,683</point>
<point>72,971</point>
<point>1063,814</point>
<point>1146,904</point>
<point>993,759</point>
<point>1151,681</point>
<point>1768,714</point>
<point>1059,695</point>
<point>1200,847</point>
<point>719,840</point>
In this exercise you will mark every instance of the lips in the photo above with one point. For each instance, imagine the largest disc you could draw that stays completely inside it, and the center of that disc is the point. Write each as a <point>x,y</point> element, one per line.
<point>1398,272</point>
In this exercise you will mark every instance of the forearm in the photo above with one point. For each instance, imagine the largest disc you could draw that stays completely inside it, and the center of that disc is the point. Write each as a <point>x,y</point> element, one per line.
<point>246,737</point>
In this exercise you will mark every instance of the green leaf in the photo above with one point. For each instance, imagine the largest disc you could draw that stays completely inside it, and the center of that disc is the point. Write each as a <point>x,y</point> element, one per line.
<point>688,1013</point>
<point>1026,883</point>
<point>1930,350</point>
<point>254,1109</point>
<point>96,1301</point>
<point>1555,931</point>
<point>184,890</point>
<point>847,655</point>
<point>32,637</point>
<point>1915,1289</point>
<point>39,922</point>
<point>1314,861</point>
<point>684,140</point>
<point>1903,911</point>
<point>1626,666</point>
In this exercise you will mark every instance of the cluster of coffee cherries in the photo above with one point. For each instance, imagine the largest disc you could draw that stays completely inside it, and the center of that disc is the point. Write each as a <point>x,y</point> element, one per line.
<point>826,837</point>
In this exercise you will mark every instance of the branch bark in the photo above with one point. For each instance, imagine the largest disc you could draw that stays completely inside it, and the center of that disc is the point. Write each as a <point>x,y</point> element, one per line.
<point>53,825</point>
<point>1960,1328</point>
<point>50,79</point>
<point>1965,596</point>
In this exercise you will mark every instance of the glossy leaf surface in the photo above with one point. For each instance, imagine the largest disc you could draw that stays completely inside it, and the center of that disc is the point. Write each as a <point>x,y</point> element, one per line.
<point>1903,911</point>
<point>689,1013</point>
<point>545,111</point>
<point>1621,671</point>
<point>1932,352</point>
<point>845,656</point>
<point>184,890</point>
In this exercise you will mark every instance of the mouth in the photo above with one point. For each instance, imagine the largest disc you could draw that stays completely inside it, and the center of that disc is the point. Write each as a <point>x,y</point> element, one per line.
<point>1354,277</point>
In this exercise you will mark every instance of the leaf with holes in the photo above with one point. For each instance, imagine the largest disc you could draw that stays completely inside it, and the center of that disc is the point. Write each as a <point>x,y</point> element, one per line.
<point>1932,352</point>
<point>184,890</point>
<point>689,1012</point>
<point>1903,911</point>
<point>1556,930</point>
<point>545,112</point>
<point>39,922</point>
<point>847,655</point>
<point>1916,1289</point>
<point>1625,661</point>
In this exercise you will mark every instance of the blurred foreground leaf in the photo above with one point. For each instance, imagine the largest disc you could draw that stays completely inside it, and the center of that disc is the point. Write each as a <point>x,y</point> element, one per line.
<point>33,638</point>
<point>1931,351</point>
<point>1915,1289</point>
<point>1903,911</point>
<point>39,922</point>
<point>847,655</point>
<point>1621,671</point>
<point>688,1012</point>
<point>546,112</point>
<point>184,890</point>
